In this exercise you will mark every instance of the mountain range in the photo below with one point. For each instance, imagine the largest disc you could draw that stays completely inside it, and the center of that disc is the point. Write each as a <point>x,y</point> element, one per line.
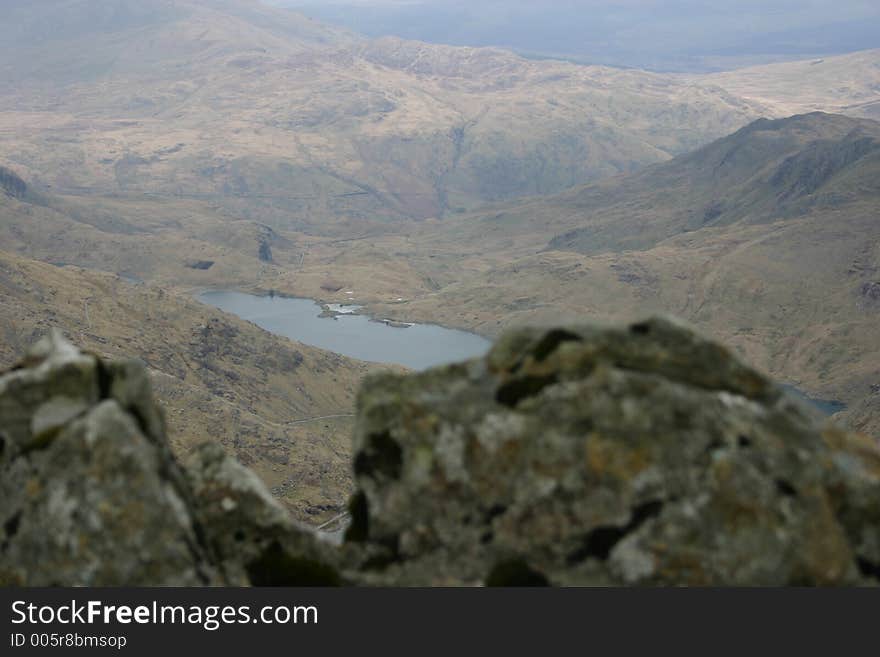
<point>230,100</point>
<point>767,239</point>
<point>155,148</point>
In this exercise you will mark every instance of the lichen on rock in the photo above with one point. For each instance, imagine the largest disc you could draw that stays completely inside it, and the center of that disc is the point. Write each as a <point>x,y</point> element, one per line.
<point>90,494</point>
<point>87,496</point>
<point>609,456</point>
<point>638,455</point>
<point>252,535</point>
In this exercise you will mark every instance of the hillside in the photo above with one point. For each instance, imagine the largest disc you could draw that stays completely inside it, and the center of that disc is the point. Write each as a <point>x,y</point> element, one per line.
<point>44,41</point>
<point>268,114</point>
<point>217,378</point>
<point>147,239</point>
<point>769,170</point>
<point>845,84</point>
<point>767,239</point>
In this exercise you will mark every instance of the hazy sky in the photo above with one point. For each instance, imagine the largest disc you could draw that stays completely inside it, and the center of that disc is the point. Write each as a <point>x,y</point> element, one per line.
<point>662,34</point>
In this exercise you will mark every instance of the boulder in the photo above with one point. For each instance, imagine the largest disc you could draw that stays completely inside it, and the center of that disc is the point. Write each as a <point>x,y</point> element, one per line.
<point>637,455</point>
<point>90,494</point>
<point>641,455</point>
<point>253,536</point>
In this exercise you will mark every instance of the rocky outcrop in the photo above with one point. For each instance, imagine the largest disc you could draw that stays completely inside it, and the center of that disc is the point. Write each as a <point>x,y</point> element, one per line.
<point>91,495</point>
<point>251,534</point>
<point>871,292</point>
<point>587,456</point>
<point>568,456</point>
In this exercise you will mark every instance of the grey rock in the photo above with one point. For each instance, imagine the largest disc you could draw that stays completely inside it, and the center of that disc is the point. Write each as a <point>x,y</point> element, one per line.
<point>52,370</point>
<point>86,496</point>
<point>92,507</point>
<point>590,456</point>
<point>642,455</point>
<point>254,537</point>
<point>90,494</point>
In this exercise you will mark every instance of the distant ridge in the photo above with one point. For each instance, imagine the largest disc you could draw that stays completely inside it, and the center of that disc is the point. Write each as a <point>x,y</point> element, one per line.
<point>847,84</point>
<point>308,126</point>
<point>767,239</point>
<point>768,170</point>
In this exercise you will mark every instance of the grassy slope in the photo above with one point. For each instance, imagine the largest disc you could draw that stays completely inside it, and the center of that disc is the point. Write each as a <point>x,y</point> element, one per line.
<point>845,84</point>
<point>217,377</point>
<point>300,127</point>
<point>783,269</point>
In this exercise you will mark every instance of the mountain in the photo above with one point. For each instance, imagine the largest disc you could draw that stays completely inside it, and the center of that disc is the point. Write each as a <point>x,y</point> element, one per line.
<point>272,115</point>
<point>675,35</point>
<point>767,239</point>
<point>266,115</point>
<point>217,378</point>
<point>74,41</point>
<point>846,84</point>
<point>200,143</point>
<point>767,171</point>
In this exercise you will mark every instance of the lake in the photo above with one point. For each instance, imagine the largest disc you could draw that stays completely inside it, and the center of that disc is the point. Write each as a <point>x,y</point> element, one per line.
<point>827,406</point>
<point>418,346</point>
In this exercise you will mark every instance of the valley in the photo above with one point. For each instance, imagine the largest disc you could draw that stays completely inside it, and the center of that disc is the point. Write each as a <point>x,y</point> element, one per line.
<point>344,330</point>
<point>283,409</point>
<point>157,149</point>
<point>727,237</point>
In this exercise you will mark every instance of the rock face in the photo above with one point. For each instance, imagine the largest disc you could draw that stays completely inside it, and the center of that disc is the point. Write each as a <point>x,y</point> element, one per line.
<point>587,456</point>
<point>575,456</point>
<point>250,532</point>
<point>91,495</point>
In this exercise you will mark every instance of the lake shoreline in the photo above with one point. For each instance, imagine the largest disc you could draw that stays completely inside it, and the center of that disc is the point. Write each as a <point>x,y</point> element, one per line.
<point>324,311</point>
<point>195,292</point>
<point>352,334</point>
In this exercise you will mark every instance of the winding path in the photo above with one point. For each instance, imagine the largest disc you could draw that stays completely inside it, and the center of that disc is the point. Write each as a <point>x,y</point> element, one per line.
<point>321,417</point>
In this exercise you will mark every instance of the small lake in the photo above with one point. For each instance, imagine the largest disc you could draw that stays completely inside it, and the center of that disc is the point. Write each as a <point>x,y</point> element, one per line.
<point>418,346</point>
<point>827,406</point>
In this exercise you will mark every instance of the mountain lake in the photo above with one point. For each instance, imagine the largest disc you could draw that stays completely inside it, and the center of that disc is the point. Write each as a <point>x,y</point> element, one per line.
<point>416,346</point>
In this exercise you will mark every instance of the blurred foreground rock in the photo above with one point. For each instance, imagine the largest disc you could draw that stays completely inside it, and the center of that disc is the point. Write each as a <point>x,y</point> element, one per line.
<point>90,493</point>
<point>576,456</point>
<point>587,456</point>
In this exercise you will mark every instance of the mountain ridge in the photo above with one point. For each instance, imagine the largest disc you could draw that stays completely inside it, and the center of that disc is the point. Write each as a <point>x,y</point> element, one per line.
<point>736,250</point>
<point>763,171</point>
<point>227,107</point>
